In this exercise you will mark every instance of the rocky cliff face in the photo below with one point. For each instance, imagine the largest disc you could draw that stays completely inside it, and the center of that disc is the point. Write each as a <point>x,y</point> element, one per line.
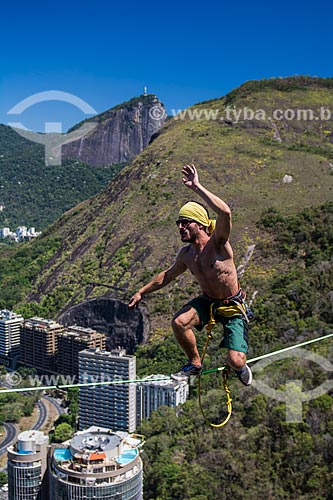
<point>120,133</point>
<point>123,327</point>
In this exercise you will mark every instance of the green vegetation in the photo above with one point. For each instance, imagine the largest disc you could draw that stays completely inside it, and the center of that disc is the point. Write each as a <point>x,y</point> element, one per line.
<point>19,267</point>
<point>66,424</point>
<point>35,194</point>
<point>297,297</point>
<point>62,433</point>
<point>14,406</point>
<point>259,454</point>
<point>280,84</point>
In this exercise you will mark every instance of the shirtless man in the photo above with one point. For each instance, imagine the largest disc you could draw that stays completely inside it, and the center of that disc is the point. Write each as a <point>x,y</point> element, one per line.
<point>209,257</point>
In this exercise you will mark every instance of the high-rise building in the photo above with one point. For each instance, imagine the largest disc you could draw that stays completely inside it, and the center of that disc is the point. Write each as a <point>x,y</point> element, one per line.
<point>151,394</point>
<point>39,343</point>
<point>73,340</point>
<point>98,464</point>
<point>27,464</point>
<point>110,405</point>
<point>10,324</point>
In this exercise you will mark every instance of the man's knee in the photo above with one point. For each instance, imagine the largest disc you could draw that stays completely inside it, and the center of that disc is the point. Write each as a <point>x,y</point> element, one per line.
<point>179,323</point>
<point>184,319</point>
<point>236,359</point>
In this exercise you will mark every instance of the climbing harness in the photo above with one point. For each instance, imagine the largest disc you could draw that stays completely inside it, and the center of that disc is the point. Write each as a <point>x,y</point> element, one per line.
<point>231,306</point>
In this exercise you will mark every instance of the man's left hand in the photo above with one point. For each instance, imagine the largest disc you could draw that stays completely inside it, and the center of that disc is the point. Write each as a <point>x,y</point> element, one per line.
<point>191,178</point>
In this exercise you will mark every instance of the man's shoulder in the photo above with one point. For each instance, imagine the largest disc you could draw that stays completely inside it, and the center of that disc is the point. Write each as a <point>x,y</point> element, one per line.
<point>184,250</point>
<point>184,254</point>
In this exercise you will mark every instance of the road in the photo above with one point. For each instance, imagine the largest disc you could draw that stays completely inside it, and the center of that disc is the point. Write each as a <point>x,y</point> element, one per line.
<point>55,403</point>
<point>42,417</point>
<point>11,433</point>
<point>43,411</point>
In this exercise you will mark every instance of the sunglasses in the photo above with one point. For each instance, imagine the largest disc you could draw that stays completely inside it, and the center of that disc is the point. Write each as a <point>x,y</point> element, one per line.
<point>184,222</point>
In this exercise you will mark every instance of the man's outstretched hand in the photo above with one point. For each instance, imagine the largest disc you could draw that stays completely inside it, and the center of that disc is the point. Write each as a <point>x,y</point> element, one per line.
<point>134,302</point>
<point>191,178</point>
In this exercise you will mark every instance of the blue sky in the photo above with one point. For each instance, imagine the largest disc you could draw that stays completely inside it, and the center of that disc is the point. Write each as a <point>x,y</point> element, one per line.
<point>185,52</point>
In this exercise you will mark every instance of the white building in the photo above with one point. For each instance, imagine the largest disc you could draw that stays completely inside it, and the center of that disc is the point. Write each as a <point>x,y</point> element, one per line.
<point>27,463</point>
<point>10,324</point>
<point>110,405</point>
<point>97,464</point>
<point>5,231</point>
<point>154,392</point>
<point>21,233</point>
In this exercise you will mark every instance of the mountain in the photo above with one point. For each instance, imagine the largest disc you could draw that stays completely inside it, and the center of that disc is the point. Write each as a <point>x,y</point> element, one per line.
<point>120,133</point>
<point>276,174</point>
<point>125,234</point>
<point>36,194</point>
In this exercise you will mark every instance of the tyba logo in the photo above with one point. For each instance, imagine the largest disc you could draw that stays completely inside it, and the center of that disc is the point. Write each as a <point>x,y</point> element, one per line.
<point>53,138</point>
<point>293,394</point>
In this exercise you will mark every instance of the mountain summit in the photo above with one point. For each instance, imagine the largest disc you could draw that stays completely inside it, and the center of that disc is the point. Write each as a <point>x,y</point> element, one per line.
<point>121,132</point>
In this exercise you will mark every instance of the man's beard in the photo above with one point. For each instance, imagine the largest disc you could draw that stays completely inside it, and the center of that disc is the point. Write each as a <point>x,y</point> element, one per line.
<point>187,237</point>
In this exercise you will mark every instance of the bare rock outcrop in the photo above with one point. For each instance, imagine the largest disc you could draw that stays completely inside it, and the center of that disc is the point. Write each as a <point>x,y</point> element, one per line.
<point>123,327</point>
<point>120,133</point>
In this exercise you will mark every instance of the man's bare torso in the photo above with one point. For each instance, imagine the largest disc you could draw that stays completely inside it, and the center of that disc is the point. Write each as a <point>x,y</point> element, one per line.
<point>213,268</point>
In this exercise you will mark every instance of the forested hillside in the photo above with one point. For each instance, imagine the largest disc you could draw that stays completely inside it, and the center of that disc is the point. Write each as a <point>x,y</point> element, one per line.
<point>258,454</point>
<point>35,194</point>
<point>126,233</point>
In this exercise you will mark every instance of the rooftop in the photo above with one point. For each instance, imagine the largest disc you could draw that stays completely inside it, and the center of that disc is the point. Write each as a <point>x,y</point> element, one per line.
<point>41,323</point>
<point>96,449</point>
<point>93,441</point>
<point>115,353</point>
<point>5,315</point>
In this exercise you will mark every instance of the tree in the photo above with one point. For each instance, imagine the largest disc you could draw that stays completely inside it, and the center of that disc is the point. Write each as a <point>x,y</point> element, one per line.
<point>63,432</point>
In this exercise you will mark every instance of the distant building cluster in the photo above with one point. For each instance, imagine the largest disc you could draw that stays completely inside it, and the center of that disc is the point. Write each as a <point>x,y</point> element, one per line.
<point>98,462</point>
<point>21,233</point>
<point>80,353</point>
<point>54,348</point>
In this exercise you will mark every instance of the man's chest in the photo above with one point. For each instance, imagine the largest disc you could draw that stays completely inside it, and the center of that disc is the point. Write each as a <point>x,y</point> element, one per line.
<point>207,262</point>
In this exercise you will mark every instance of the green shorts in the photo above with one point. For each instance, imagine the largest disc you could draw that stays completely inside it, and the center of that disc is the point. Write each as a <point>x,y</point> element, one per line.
<point>235,328</point>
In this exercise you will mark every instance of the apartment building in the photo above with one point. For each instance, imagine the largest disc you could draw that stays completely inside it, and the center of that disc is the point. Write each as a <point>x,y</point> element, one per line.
<point>39,343</point>
<point>27,465</point>
<point>157,390</point>
<point>10,324</point>
<point>110,405</point>
<point>97,464</point>
<point>73,340</point>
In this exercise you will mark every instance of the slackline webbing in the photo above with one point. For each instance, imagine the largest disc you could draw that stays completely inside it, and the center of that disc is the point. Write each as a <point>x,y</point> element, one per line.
<point>160,378</point>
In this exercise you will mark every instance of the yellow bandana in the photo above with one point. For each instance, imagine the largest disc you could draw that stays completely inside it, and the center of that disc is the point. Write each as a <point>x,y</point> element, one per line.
<point>193,210</point>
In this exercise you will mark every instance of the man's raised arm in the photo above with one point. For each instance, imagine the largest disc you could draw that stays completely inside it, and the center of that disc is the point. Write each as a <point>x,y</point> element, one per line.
<point>221,209</point>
